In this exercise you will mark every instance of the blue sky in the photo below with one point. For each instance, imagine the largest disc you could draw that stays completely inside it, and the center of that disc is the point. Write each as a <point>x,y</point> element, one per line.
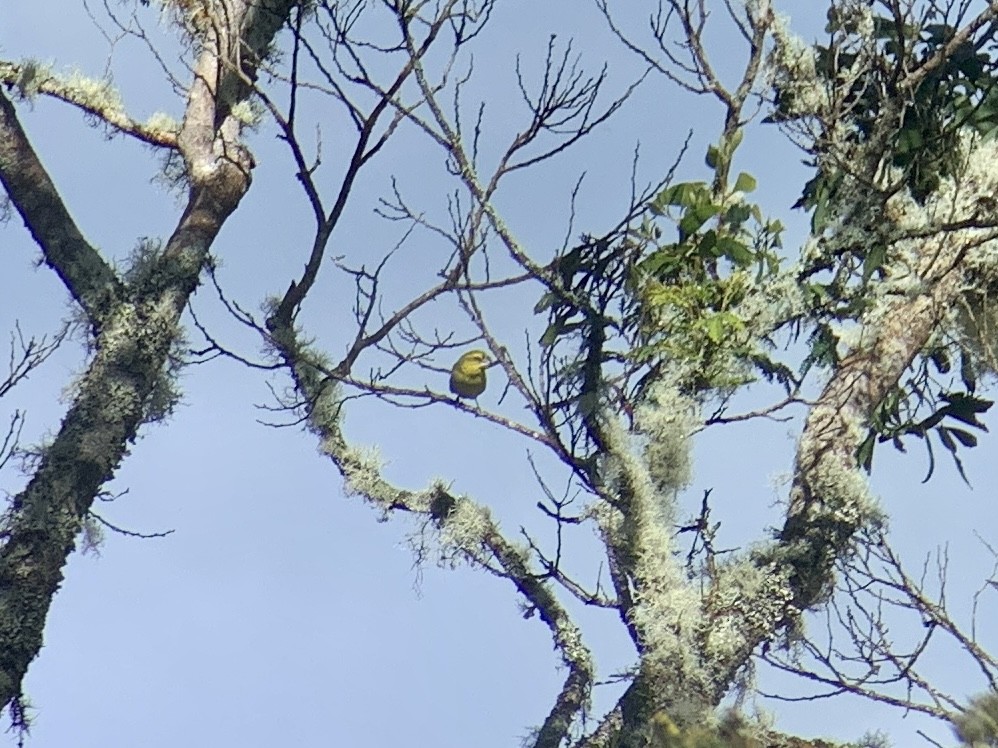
<point>280,612</point>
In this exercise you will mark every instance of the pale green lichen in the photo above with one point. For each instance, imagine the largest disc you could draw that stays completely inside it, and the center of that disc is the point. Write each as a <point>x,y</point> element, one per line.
<point>31,75</point>
<point>971,197</point>
<point>751,600</point>
<point>977,727</point>
<point>933,249</point>
<point>974,322</point>
<point>791,70</point>
<point>162,124</point>
<point>668,610</point>
<point>843,494</point>
<point>465,530</point>
<point>327,403</point>
<point>771,302</point>
<point>873,739</point>
<point>317,387</point>
<point>665,421</point>
<point>249,112</point>
<point>142,266</point>
<point>362,468</point>
<point>804,92</point>
<point>96,93</point>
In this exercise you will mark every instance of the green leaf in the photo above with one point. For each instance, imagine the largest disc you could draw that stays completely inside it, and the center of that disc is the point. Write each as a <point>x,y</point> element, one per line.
<point>932,461</point>
<point>964,437</point>
<point>967,374</point>
<point>713,154</point>
<point>550,335</point>
<point>940,359</point>
<point>735,141</point>
<point>745,183</point>
<point>696,217</point>
<point>965,408</point>
<point>738,214</point>
<point>938,33</point>
<point>823,351</point>
<point>972,67</point>
<point>774,371</point>
<point>569,263</point>
<point>735,251</point>
<point>909,140</point>
<point>864,452</point>
<point>544,303</point>
<point>685,194</point>
<point>557,329</point>
<point>662,263</point>
<point>947,440</point>
<point>874,260</point>
<point>715,328</point>
<point>819,219</point>
<point>708,243</point>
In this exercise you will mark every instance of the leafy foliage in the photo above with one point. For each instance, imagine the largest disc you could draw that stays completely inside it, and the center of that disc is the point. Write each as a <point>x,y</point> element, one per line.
<point>902,90</point>
<point>956,91</point>
<point>624,308</point>
<point>978,726</point>
<point>687,292</point>
<point>898,415</point>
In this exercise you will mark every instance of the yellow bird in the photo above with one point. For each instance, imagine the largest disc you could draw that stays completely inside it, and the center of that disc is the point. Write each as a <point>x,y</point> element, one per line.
<point>467,378</point>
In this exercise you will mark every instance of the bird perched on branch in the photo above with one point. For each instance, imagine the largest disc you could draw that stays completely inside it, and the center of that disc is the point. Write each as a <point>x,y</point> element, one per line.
<point>467,378</point>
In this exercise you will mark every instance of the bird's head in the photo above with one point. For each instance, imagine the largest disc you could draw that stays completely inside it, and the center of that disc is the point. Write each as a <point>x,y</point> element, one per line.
<point>479,360</point>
